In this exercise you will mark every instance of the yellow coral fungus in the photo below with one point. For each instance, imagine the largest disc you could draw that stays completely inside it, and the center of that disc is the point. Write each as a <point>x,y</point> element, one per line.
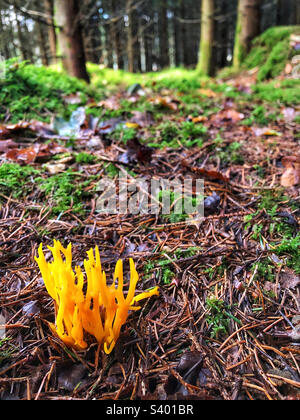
<point>101,310</point>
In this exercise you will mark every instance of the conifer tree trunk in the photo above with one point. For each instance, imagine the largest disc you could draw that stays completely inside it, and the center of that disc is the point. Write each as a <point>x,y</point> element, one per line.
<point>133,44</point>
<point>70,37</point>
<point>20,34</point>
<point>3,44</point>
<point>207,38</point>
<point>49,9</point>
<point>248,27</point>
<point>42,43</point>
<point>115,34</point>
<point>176,29</point>
<point>148,36</point>
<point>163,34</point>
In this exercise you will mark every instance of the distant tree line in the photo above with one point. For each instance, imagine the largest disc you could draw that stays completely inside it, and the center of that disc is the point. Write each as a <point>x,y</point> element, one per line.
<point>138,35</point>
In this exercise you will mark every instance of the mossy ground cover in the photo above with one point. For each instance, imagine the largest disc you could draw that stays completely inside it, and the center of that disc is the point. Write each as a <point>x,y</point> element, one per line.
<point>271,51</point>
<point>231,279</point>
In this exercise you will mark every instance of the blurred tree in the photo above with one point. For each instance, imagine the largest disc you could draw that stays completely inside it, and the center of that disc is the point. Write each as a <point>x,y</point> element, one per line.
<point>49,9</point>
<point>163,34</point>
<point>207,37</point>
<point>247,28</point>
<point>70,37</point>
<point>133,43</point>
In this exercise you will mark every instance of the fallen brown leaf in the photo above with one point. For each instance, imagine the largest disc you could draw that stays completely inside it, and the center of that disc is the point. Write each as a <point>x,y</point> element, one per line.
<point>228,115</point>
<point>5,145</point>
<point>34,152</point>
<point>291,176</point>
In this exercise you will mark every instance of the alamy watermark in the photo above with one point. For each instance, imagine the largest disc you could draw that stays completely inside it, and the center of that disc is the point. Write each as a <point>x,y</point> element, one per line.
<point>152,196</point>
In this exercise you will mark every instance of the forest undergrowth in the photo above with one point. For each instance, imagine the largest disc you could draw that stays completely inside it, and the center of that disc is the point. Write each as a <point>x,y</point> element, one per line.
<point>226,324</point>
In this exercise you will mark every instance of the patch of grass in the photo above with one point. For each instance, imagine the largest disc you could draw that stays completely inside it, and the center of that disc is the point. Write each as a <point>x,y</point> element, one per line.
<point>16,180</point>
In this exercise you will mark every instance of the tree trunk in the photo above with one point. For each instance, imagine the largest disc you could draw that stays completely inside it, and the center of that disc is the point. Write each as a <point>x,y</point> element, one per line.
<point>108,47</point>
<point>22,48</point>
<point>70,37</point>
<point>297,13</point>
<point>42,43</point>
<point>163,34</point>
<point>133,44</point>
<point>248,27</point>
<point>115,34</point>
<point>148,36</point>
<point>177,37</point>
<point>184,34</point>
<point>3,43</point>
<point>207,38</point>
<point>49,9</point>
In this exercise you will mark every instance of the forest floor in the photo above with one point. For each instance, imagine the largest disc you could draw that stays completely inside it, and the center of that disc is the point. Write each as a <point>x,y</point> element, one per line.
<point>226,324</point>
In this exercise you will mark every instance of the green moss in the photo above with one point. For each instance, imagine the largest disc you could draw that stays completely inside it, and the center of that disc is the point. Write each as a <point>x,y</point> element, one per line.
<point>217,318</point>
<point>286,92</point>
<point>32,92</point>
<point>85,158</point>
<point>16,180</point>
<point>63,192</point>
<point>290,248</point>
<point>276,61</point>
<point>270,51</point>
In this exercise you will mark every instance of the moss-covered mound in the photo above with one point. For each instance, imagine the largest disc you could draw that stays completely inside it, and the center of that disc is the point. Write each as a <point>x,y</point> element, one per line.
<point>271,51</point>
<point>28,91</point>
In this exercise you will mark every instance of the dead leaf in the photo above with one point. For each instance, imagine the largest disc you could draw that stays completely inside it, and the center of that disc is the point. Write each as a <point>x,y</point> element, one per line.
<point>228,116</point>
<point>291,176</point>
<point>137,152</point>
<point>165,102</point>
<point>289,114</point>
<point>288,279</point>
<point>112,103</point>
<point>25,156</point>
<point>5,145</point>
<point>55,168</point>
<point>206,172</point>
<point>266,131</point>
<point>199,119</point>
<point>4,132</point>
<point>72,99</point>
<point>207,92</point>
<point>34,152</point>
<point>189,368</point>
<point>132,125</point>
<point>142,119</point>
